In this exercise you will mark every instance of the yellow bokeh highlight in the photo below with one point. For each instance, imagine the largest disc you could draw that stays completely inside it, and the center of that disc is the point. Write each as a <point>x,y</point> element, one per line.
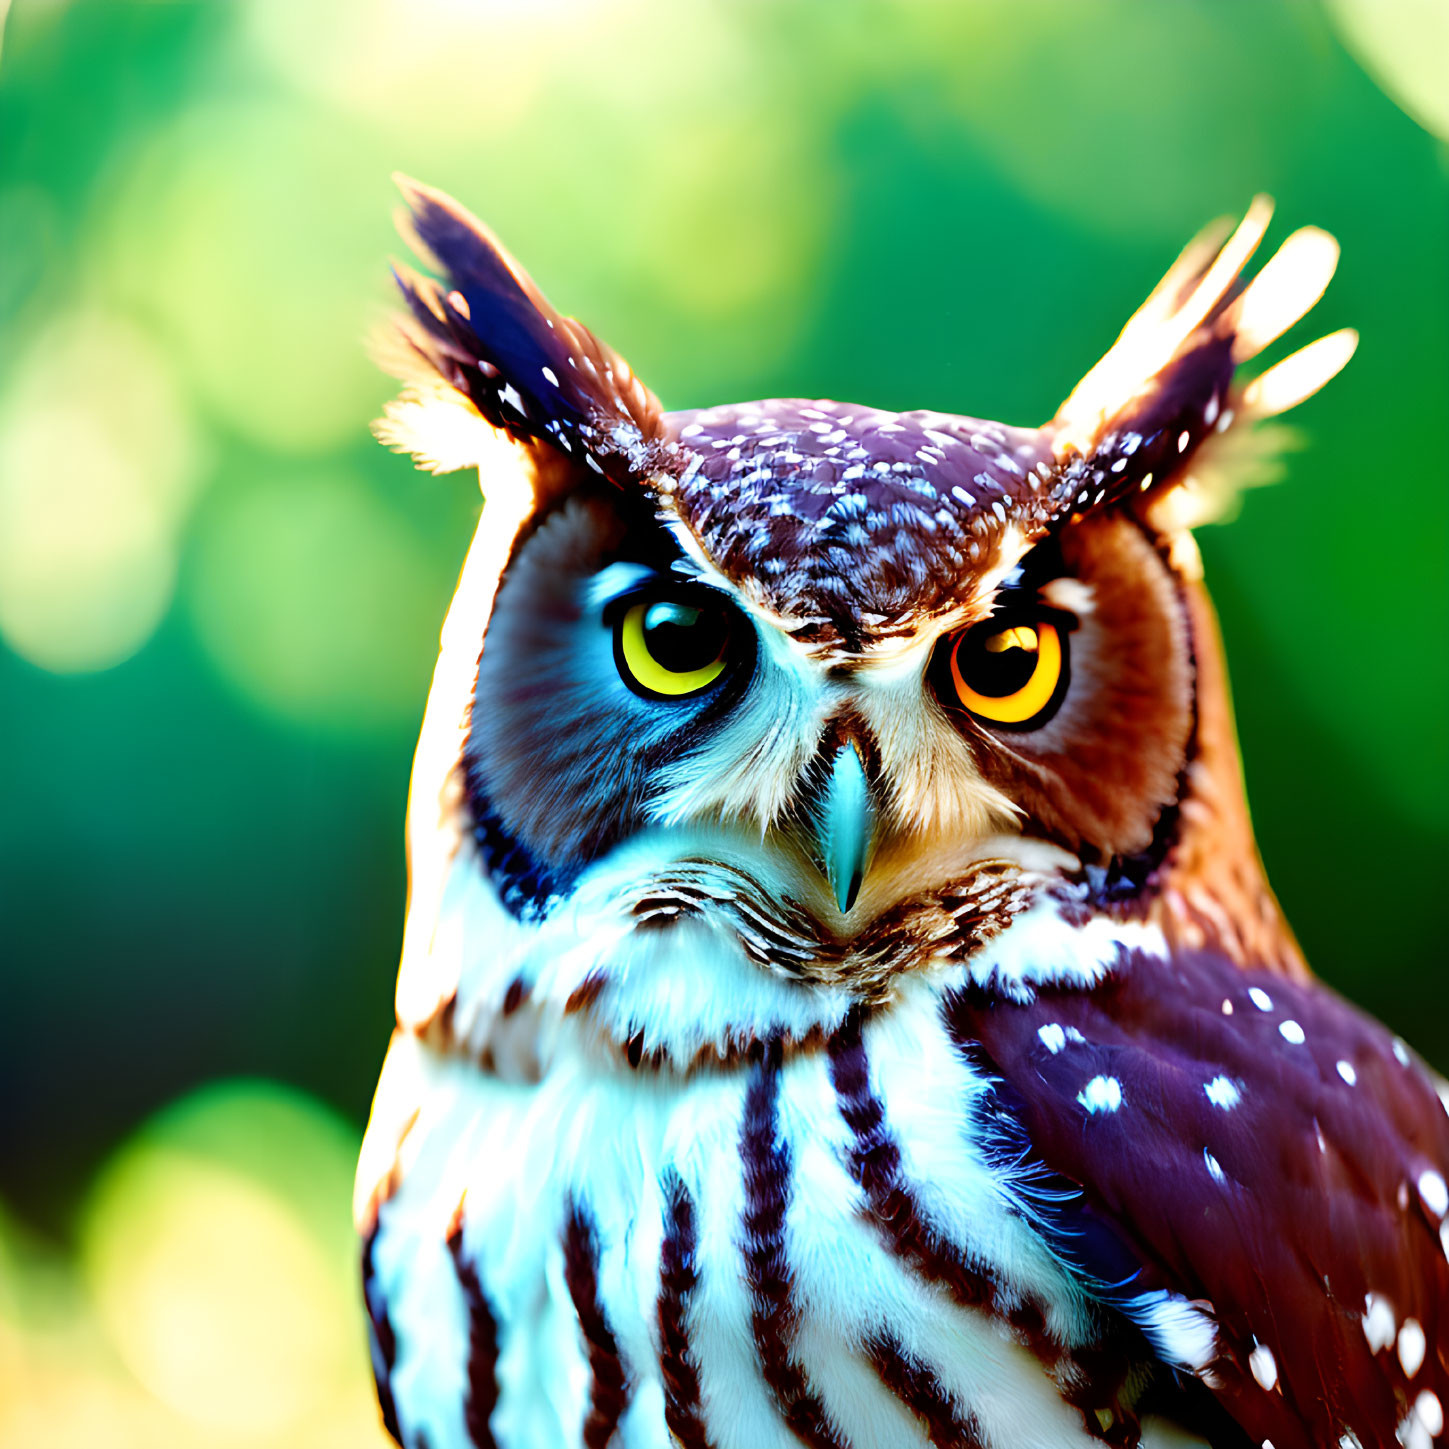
<point>213,1301</point>
<point>215,1297</point>
<point>374,57</point>
<point>1404,45</point>
<point>254,240</point>
<point>628,208</point>
<point>99,461</point>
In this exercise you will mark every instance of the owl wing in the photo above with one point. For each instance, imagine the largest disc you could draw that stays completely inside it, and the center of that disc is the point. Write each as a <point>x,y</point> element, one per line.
<point>1258,1147</point>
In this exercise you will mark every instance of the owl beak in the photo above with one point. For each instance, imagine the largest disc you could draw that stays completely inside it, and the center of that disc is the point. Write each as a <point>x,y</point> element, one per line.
<point>846,825</point>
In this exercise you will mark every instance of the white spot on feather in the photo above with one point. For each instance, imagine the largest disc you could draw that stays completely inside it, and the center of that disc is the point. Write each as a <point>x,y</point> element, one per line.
<point>1260,998</point>
<point>1183,1332</point>
<point>1053,1038</point>
<point>1101,1094</point>
<point>1379,1327</point>
<point>1264,1367</point>
<point>1430,1412</point>
<point>1214,1167</point>
<point>1412,1434</point>
<point>1223,1092</point>
<point>1433,1191</point>
<point>1411,1347</point>
<point>1346,1071</point>
<point>1291,1031</point>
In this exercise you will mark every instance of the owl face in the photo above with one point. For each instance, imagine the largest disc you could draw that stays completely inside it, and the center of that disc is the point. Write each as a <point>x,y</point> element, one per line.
<point>777,703</point>
<point>1032,712</point>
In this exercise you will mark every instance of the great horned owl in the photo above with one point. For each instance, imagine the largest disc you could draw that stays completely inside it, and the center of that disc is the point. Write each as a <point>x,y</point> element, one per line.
<point>840,1001</point>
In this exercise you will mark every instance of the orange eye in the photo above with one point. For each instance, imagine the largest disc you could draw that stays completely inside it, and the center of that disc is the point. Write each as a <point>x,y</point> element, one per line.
<point>1013,675</point>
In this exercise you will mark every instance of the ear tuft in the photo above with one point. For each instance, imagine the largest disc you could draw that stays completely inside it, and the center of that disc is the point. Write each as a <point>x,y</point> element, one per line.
<point>443,432</point>
<point>485,331</point>
<point>1165,388</point>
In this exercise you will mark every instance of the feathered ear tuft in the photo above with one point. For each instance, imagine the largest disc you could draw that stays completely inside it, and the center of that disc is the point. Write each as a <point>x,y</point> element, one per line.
<point>483,346</point>
<point>1135,422</point>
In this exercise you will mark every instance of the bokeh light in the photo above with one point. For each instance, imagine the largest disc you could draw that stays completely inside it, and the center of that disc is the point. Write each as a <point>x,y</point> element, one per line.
<point>211,1302</point>
<point>98,465</point>
<point>249,236</point>
<point>1404,45</point>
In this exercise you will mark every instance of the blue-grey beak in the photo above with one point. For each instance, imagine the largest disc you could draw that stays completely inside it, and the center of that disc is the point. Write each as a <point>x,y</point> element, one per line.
<point>846,825</point>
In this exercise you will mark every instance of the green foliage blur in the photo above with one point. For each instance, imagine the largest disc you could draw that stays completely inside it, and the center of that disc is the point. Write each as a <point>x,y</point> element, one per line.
<point>219,599</point>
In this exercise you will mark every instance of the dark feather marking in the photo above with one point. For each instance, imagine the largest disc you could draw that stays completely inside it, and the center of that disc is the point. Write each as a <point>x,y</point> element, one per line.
<point>678,1274</point>
<point>525,885</point>
<point>609,1393</point>
<point>587,992</point>
<point>767,1197</point>
<point>513,998</point>
<point>875,1162</point>
<point>482,1346</point>
<point>382,1341</point>
<point>1089,1380</point>
<point>921,1392</point>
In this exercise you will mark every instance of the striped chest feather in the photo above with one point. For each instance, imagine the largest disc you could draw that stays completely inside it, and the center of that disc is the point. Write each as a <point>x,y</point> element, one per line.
<point>835,1246</point>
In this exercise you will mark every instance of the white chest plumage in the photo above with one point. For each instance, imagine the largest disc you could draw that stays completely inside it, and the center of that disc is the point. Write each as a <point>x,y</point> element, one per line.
<point>817,1241</point>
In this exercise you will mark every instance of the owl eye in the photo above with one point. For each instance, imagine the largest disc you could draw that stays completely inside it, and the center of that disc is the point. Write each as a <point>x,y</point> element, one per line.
<point>668,647</point>
<point>1011,674</point>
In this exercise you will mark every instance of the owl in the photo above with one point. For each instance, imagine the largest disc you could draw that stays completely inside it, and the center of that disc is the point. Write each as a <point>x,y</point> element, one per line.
<point>841,1004</point>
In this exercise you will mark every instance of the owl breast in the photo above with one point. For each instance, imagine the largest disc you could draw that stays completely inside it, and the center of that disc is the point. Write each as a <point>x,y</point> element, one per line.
<point>829,1244</point>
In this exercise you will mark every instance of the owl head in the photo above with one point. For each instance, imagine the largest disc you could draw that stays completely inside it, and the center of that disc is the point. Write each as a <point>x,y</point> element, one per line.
<point>748,715</point>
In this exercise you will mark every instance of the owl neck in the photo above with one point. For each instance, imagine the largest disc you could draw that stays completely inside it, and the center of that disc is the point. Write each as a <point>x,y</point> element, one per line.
<point>1211,889</point>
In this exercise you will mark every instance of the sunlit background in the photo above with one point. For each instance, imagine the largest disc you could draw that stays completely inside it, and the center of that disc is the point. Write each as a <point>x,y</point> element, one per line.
<point>219,599</point>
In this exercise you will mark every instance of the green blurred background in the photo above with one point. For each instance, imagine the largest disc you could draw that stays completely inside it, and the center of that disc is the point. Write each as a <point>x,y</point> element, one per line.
<point>219,600</point>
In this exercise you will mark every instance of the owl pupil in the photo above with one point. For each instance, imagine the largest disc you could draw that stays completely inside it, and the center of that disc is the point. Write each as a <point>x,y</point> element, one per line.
<point>1000,662</point>
<point>681,638</point>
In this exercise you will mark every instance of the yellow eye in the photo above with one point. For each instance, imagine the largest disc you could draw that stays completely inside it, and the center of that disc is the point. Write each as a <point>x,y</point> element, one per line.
<point>668,648</point>
<point>1010,674</point>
